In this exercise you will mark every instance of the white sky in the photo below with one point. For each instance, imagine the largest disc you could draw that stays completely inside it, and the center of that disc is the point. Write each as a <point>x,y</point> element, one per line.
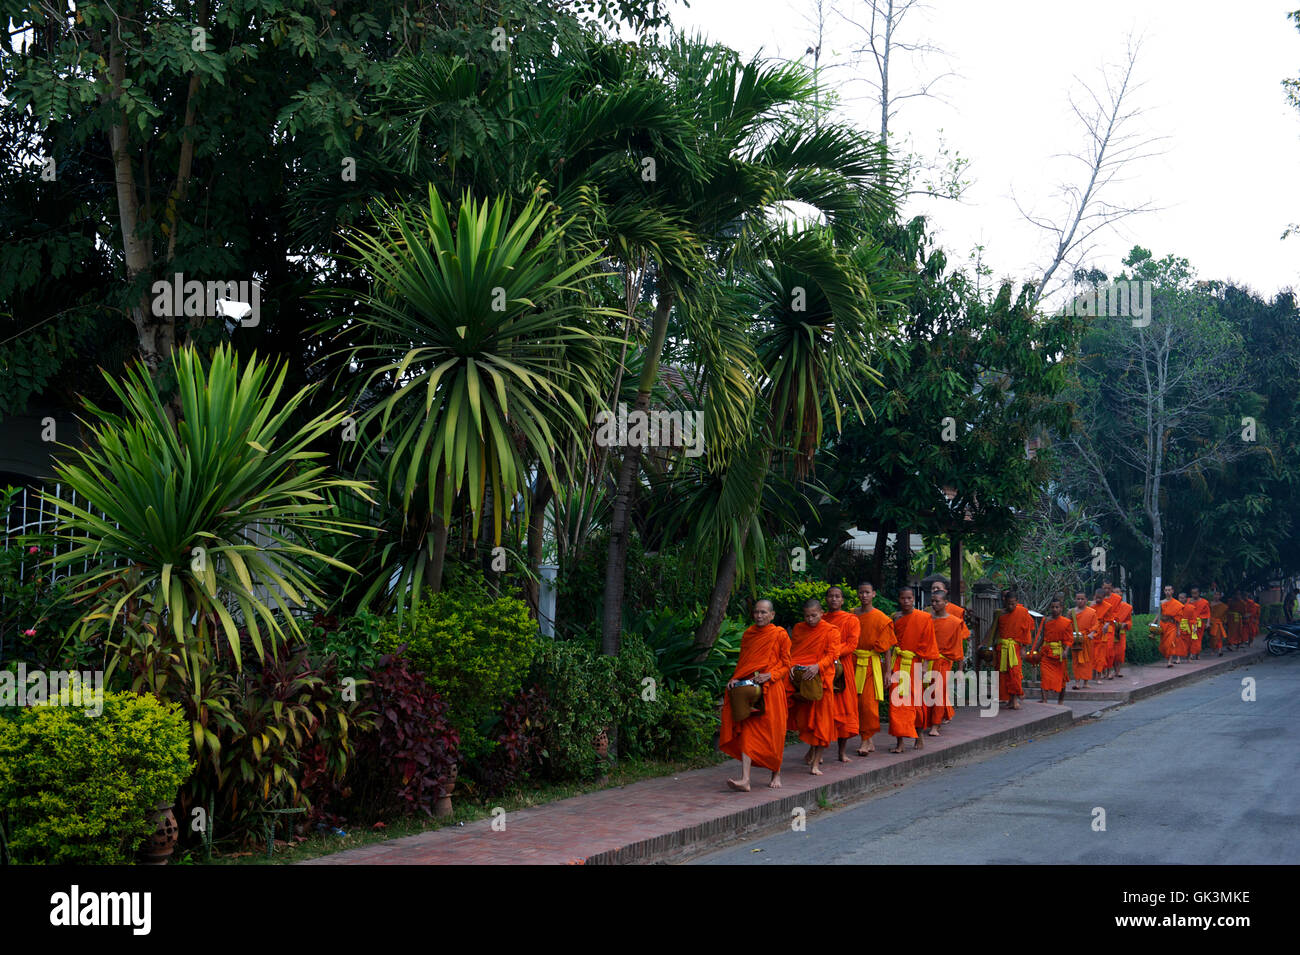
<point>1226,182</point>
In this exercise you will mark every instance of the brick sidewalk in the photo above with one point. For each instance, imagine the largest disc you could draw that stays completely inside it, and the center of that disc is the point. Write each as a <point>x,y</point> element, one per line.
<point>659,819</point>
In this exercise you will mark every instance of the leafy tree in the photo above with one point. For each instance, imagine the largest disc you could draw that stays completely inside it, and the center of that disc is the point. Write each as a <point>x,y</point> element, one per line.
<point>1152,401</point>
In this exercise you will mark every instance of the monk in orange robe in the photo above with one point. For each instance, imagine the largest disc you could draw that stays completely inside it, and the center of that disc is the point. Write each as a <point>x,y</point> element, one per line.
<point>1252,620</point>
<point>949,633</point>
<point>1014,630</point>
<point>1171,612</point>
<point>1123,624</point>
<point>1218,622</point>
<point>1236,620</point>
<point>846,700</point>
<point>875,638</point>
<point>1086,627</point>
<point>760,737</point>
<point>1105,605</point>
<point>814,645</point>
<point>1187,623</point>
<point>1054,642</point>
<point>1201,623</point>
<point>915,632</point>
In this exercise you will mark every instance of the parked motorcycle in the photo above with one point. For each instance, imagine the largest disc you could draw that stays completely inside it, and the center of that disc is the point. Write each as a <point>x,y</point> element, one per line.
<point>1283,638</point>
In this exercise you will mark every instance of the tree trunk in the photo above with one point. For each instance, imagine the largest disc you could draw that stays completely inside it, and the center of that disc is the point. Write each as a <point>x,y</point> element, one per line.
<point>954,569</point>
<point>542,495</point>
<point>438,556</point>
<point>902,558</point>
<point>878,558</point>
<point>620,518</point>
<point>1157,561</point>
<point>707,634</point>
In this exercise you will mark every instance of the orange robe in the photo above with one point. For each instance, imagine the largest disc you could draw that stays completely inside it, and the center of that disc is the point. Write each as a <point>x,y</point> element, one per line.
<point>1252,619</point>
<point>1189,630</point>
<point>1123,624</point>
<point>1202,620</point>
<point>949,634</point>
<point>1018,628</point>
<point>1169,642</point>
<point>915,633</point>
<point>815,721</point>
<point>846,700</point>
<point>1218,625</point>
<point>875,637</point>
<point>1058,637</point>
<point>1085,622</point>
<point>960,614</point>
<point>1236,613</point>
<point>761,735</point>
<point>1106,617</point>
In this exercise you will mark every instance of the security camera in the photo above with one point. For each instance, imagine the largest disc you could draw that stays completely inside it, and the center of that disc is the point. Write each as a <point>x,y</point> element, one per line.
<point>236,310</point>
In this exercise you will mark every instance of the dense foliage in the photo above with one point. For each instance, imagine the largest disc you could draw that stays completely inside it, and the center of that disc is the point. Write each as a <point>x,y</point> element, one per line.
<point>78,787</point>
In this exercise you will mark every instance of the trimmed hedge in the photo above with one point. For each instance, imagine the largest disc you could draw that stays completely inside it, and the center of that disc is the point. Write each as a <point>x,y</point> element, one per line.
<point>80,789</point>
<point>1140,648</point>
<point>474,650</point>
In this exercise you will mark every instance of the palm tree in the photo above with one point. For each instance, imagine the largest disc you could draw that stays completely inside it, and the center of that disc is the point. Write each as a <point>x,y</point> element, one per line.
<point>756,162</point>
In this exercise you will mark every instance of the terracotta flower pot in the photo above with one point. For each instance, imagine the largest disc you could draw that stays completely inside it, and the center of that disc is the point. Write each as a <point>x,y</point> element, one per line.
<point>442,808</point>
<point>448,787</point>
<point>158,847</point>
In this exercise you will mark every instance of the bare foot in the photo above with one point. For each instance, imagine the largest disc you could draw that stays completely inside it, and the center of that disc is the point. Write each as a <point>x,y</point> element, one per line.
<point>739,785</point>
<point>863,752</point>
<point>776,781</point>
<point>934,731</point>
<point>816,771</point>
<point>897,749</point>
<point>918,744</point>
<point>843,758</point>
<point>1015,705</point>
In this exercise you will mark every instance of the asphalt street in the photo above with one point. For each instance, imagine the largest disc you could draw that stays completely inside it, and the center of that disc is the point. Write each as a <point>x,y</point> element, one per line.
<point>1197,775</point>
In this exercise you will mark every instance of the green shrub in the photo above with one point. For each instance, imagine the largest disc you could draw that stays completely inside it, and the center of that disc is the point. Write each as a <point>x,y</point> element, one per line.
<point>691,723</point>
<point>1139,647</point>
<point>79,789</point>
<point>640,707</point>
<point>671,577</point>
<point>581,687</point>
<point>789,601</point>
<point>474,650</point>
<point>671,636</point>
<point>354,641</point>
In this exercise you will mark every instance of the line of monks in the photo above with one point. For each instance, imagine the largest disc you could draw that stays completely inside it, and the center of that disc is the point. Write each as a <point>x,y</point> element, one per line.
<point>1188,623</point>
<point>826,679</point>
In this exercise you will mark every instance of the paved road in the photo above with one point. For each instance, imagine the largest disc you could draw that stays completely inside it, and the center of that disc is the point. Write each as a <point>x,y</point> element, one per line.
<point>1195,775</point>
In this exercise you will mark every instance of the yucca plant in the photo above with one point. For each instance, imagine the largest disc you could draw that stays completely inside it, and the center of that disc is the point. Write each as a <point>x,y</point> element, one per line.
<point>483,346</point>
<point>176,525</point>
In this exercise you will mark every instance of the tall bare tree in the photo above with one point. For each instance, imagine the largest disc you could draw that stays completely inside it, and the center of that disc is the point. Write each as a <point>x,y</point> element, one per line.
<point>1152,402</point>
<point>1113,142</point>
<point>881,24</point>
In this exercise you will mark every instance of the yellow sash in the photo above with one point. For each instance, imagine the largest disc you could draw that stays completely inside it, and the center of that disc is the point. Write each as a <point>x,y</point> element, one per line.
<point>1185,625</point>
<point>905,658</point>
<point>1010,657</point>
<point>1057,647</point>
<point>868,659</point>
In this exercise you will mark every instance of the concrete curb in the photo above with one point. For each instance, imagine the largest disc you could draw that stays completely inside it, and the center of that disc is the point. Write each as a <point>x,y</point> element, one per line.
<point>683,841</point>
<point>744,822</point>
